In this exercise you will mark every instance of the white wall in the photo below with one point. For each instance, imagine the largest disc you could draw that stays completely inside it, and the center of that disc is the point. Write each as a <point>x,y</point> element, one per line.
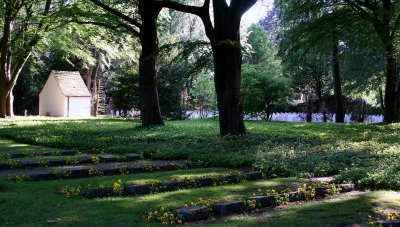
<point>52,100</point>
<point>79,107</point>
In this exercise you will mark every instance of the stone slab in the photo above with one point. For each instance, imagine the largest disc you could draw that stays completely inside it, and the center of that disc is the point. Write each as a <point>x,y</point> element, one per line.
<point>132,157</point>
<point>90,152</point>
<point>190,214</point>
<point>346,187</point>
<point>29,163</point>
<point>18,155</point>
<point>44,154</point>
<point>77,172</point>
<point>67,153</point>
<point>234,207</point>
<point>101,192</point>
<point>253,176</point>
<point>138,189</point>
<point>135,169</point>
<point>41,175</point>
<point>173,185</point>
<point>320,192</point>
<point>84,159</point>
<point>108,158</point>
<point>206,181</point>
<point>108,170</point>
<point>4,166</point>
<point>228,178</point>
<point>296,196</point>
<point>393,223</point>
<point>264,201</point>
<point>56,161</point>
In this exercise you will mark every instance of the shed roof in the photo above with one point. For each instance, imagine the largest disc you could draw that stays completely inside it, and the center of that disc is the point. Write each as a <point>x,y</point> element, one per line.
<point>71,83</point>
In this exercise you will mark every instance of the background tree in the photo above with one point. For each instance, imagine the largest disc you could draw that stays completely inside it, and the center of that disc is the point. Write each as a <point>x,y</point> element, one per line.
<point>203,95</point>
<point>264,88</point>
<point>24,23</point>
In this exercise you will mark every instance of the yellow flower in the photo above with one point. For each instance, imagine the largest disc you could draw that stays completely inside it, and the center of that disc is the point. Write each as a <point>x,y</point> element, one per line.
<point>172,223</point>
<point>179,221</point>
<point>162,209</point>
<point>200,200</point>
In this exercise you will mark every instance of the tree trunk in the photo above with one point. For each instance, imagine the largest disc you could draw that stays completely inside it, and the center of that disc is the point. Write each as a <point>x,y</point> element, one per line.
<point>3,105</point>
<point>95,89</point>
<point>227,63</point>
<point>10,104</point>
<point>392,96</point>
<point>308,108</point>
<point>228,69</point>
<point>150,113</point>
<point>89,73</point>
<point>337,84</point>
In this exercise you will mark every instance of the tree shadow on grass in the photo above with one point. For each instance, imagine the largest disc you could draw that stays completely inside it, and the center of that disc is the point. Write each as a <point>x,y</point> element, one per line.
<point>342,211</point>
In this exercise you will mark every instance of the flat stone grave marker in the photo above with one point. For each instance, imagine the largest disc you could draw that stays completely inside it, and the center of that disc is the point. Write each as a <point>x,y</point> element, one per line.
<point>84,159</point>
<point>346,187</point>
<point>207,181</point>
<point>108,158</point>
<point>101,192</point>
<point>138,189</point>
<point>264,201</point>
<point>20,155</point>
<point>227,208</point>
<point>56,161</point>
<point>173,185</point>
<point>67,153</point>
<point>253,176</point>
<point>190,214</point>
<point>132,157</point>
<point>29,163</point>
<point>4,166</point>
<point>41,175</point>
<point>90,152</point>
<point>76,172</point>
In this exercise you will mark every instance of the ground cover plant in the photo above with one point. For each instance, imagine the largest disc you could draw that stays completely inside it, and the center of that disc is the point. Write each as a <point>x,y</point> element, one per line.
<point>365,154</point>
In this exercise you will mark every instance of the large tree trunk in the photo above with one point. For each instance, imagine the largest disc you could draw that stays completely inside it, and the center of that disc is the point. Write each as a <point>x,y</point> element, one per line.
<point>10,103</point>
<point>392,95</point>
<point>227,63</point>
<point>150,113</point>
<point>228,68</point>
<point>337,84</point>
<point>3,104</point>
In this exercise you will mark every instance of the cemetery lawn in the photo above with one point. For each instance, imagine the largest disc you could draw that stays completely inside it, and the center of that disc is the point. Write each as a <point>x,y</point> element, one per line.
<point>36,204</point>
<point>286,151</point>
<point>366,154</point>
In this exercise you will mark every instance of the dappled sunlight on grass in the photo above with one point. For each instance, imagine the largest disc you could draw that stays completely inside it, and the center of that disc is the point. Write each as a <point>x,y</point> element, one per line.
<point>339,211</point>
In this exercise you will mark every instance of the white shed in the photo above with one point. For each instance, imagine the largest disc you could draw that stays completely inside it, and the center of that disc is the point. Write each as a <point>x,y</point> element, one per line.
<point>65,95</point>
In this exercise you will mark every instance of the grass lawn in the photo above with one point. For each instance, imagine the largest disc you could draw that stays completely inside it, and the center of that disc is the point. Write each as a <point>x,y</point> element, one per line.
<point>366,154</point>
<point>37,204</point>
<point>283,149</point>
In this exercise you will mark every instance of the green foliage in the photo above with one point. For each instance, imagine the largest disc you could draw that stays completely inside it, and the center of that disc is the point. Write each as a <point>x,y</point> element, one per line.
<point>264,90</point>
<point>279,149</point>
<point>126,92</point>
<point>203,94</point>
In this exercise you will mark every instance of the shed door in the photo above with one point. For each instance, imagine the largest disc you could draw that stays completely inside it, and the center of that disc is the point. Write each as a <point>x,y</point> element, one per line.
<point>79,106</point>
